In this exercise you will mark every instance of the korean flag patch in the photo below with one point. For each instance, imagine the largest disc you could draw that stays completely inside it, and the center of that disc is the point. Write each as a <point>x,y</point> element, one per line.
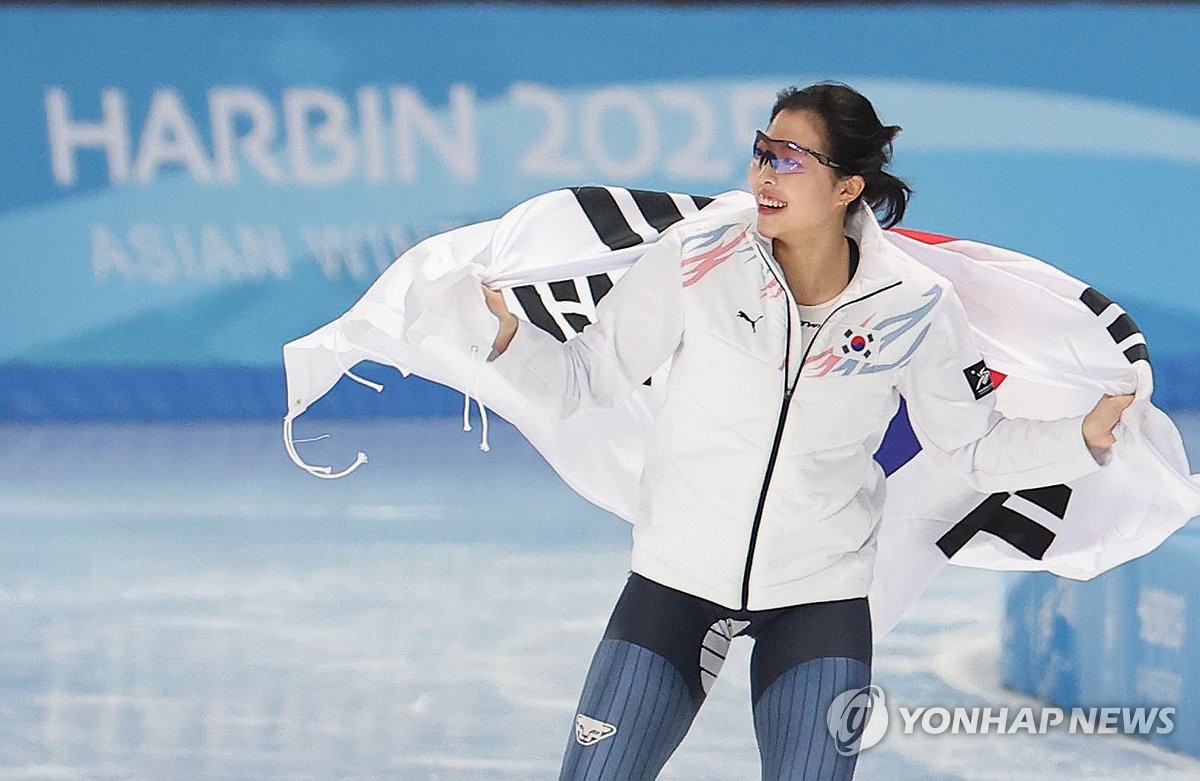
<point>980,380</point>
<point>859,343</point>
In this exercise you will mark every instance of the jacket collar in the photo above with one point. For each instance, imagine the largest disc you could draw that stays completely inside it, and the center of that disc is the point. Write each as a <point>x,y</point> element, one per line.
<point>876,263</point>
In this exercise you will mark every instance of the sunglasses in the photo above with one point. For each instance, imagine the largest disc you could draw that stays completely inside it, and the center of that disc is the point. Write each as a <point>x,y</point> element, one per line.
<point>785,157</point>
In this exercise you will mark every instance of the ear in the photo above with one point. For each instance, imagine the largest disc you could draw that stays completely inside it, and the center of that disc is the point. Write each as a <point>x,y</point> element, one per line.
<point>849,188</point>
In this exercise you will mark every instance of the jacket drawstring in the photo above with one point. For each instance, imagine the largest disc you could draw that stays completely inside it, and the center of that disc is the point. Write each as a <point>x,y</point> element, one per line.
<point>324,472</point>
<point>470,393</point>
<point>360,458</point>
<point>337,356</point>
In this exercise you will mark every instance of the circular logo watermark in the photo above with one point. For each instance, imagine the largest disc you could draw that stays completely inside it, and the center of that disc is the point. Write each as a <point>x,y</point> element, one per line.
<point>857,719</point>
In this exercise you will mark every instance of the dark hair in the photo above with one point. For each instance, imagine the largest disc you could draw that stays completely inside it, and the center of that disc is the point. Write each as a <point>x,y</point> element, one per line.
<point>858,142</point>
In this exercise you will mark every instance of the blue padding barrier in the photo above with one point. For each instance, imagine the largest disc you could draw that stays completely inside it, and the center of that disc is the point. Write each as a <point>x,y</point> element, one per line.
<point>48,394</point>
<point>38,394</point>
<point>1128,638</point>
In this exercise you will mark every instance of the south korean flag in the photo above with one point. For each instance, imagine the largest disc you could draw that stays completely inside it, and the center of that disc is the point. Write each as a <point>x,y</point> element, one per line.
<point>858,343</point>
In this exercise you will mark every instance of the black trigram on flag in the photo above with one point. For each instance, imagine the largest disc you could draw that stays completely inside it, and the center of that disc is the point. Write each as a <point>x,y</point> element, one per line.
<point>565,304</point>
<point>1020,531</point>
<point>563,308</point>
<point>1121,329</point>
<point>614,226</point>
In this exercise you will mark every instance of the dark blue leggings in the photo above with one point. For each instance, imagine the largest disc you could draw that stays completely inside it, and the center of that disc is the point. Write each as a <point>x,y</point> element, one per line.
<point>662,651</point>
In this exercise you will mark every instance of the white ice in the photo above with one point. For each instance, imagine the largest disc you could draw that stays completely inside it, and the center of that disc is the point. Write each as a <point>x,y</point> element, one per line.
<point>179,602</point>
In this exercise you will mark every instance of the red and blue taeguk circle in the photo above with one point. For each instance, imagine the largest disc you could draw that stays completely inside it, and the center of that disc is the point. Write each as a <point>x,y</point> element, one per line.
<point>858,344</point>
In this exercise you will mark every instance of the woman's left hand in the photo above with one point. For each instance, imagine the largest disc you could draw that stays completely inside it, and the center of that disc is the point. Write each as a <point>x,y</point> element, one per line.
<point>1099,423</point>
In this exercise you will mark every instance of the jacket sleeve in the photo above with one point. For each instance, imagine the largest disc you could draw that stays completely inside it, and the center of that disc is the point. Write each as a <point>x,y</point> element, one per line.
<point>951,406</point>
<point>638,326</point>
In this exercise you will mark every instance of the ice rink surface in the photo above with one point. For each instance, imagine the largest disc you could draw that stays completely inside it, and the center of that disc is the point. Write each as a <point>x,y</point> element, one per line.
<point>179,601</point>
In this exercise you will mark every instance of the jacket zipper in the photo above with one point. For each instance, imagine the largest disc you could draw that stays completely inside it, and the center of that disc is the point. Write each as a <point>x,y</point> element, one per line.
<point>788,391</point>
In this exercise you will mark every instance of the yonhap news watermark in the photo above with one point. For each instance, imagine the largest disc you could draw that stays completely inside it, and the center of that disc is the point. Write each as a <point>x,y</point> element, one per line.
<point>859,719</point>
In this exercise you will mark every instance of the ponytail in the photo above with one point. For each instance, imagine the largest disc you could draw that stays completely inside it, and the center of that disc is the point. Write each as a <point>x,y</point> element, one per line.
<point>887,195</point>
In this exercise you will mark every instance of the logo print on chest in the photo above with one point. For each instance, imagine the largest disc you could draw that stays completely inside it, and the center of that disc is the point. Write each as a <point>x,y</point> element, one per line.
<point>753,323</point>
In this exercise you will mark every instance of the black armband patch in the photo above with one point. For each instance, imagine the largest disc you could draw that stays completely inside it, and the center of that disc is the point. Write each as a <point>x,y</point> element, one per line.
<point>980,379</point>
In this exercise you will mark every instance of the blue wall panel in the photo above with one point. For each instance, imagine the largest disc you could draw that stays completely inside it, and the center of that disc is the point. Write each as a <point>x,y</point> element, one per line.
<point>1127,638</point>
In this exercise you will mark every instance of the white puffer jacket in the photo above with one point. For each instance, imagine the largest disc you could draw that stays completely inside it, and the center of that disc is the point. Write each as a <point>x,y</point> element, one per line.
<point>759,488</point>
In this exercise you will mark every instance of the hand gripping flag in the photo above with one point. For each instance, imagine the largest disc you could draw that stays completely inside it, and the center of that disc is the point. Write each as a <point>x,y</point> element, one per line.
<point>1051,345</point>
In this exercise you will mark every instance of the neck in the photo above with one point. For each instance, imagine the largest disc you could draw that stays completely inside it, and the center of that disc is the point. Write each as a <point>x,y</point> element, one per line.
<point>816,265</point>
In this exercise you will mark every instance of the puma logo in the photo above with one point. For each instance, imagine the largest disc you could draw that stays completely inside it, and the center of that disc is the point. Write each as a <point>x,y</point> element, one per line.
<point>589,731</point>
<point>753,323</point>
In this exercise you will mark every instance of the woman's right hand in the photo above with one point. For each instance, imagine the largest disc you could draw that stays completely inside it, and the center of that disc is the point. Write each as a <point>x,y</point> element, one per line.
<point>1100,422</point>
<point>508,321</point>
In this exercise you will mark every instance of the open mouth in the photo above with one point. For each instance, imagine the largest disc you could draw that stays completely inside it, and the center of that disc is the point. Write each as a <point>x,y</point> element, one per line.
<point>768,205</point>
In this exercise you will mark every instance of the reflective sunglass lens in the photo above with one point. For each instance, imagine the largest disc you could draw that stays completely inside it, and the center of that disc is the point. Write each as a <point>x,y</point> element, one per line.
<point>781,157</point>
<point>789,165</point>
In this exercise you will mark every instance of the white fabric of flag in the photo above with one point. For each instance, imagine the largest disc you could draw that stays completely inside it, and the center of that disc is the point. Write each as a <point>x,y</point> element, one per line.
<point>1052,343</point>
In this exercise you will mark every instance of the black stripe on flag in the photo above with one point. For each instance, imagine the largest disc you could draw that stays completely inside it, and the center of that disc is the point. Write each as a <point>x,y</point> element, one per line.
<point>658,208</point>
<point>577,321</point>
<point>536,311</point>
<point>1019,531</point>
<point>564,290</point>
<point>602,212</point>
<point>1122,328</point>
<point>1138,352</point>
<point>1052,498</point>
<point>1024,534</point>
<point>599,284</point>
<point>701,201</point>
<point>961,533</point>
<point>1094,300</point>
